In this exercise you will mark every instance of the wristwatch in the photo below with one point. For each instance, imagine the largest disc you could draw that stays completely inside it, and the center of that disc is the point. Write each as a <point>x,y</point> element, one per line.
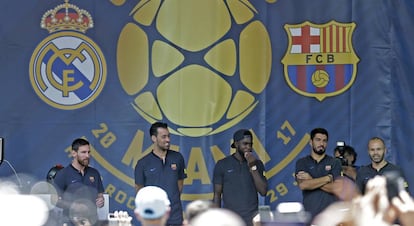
<point>253,168</point>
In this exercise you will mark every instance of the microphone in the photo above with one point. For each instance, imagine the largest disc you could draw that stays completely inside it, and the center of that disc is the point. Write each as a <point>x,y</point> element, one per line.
<point>1,149</point>
<point>15,173</point>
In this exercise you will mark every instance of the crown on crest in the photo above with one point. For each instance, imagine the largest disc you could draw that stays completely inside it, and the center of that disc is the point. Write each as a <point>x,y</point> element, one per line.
<point>66,17</point>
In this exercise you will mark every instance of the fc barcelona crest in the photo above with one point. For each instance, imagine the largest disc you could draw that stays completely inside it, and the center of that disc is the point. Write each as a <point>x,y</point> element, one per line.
<point>320,60</point>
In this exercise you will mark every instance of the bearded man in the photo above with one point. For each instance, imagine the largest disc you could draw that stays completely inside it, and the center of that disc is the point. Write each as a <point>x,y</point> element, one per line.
<point>316,173</point>
<point>239,178</point>
<point>79,186</point>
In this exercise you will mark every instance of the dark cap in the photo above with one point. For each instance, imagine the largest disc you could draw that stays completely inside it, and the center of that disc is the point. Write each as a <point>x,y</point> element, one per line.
<point>239,135</point>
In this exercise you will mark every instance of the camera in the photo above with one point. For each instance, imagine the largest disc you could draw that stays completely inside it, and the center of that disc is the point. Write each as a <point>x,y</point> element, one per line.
<point>340,147</point>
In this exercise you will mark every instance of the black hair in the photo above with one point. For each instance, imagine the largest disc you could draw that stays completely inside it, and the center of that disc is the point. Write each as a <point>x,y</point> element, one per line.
<point>154,128</point>
<point>351,151</point>
<point>377,138</point>
<point>319,130</point>
<point>79,142</point>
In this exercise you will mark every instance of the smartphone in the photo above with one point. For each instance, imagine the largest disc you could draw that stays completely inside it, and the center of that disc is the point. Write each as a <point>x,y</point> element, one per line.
<point>394,183</point>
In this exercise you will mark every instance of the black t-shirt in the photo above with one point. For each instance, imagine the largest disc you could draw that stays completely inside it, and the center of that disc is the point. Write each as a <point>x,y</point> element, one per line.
<point>314,201</point>
<point>239,191</point>
<point>152,170</point>
<point>365,173</point>
<point>73,186</point>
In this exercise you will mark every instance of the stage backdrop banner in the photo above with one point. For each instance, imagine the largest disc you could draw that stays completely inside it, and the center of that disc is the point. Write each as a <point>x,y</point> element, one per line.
<point>106,70</point>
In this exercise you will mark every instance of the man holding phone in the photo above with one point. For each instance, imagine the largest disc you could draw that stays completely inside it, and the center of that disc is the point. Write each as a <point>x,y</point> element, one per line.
<point>239,177</point>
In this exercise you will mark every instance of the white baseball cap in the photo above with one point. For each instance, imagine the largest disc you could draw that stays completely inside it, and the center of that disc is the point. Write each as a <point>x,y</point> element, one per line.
<point>151,202</point>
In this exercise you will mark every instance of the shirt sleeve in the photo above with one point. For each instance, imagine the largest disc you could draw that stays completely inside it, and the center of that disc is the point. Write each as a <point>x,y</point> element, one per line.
<point>100,187</point>
<point>300,166</point>
<point>183,174</point>
<point>139,173</point>
<point>336,168</point>
<point>59,181</point>
<point>359,181</point>
<point>217,174</point>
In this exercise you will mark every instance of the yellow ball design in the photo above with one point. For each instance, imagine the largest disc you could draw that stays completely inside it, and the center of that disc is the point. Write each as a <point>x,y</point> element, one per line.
<point>320,78</point>
<point>156,66</point>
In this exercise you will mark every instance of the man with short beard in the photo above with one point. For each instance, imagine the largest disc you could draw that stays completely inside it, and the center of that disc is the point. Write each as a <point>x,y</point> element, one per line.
<point>316,173</point>
<point>78,185</point>
<point>164,168</point>
<point>378,165</point>
<point>239,178</point>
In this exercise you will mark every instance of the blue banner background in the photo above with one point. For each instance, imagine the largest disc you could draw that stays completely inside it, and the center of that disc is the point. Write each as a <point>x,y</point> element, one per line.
<point>378,103</point>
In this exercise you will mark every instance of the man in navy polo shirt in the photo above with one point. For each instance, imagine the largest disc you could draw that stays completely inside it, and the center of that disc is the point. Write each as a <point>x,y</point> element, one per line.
<point>239,178</point>
<point>378,165</point>
<point>316,172</point>
<point>79,186</point>
<point>163,168</point>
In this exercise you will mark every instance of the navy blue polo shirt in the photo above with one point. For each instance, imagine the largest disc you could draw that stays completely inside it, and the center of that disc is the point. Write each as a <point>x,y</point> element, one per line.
<point>151,170</point>
<point>367,172</point>
<point>239,191</point>
<point>314,201</point>
<point>72,185</point>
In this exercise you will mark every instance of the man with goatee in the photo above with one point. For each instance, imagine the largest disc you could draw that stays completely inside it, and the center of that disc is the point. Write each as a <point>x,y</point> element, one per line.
<point>316,173</point>
<point>80,188</point>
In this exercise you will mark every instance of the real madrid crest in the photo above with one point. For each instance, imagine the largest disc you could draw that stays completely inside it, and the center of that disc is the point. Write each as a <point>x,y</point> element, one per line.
<point>320,60</point>
<point>67,69</point>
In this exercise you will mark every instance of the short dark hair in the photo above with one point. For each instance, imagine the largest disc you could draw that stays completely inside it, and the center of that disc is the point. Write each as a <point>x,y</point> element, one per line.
<point>154,127</point>
<point>79,142</point>
<point>377,138</point>
<point>319,130</point>
<point>351,151</point>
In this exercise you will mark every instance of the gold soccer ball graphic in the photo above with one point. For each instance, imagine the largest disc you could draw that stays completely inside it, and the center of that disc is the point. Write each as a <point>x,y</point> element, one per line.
<point>179,61</point>
<point>320,78</point>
